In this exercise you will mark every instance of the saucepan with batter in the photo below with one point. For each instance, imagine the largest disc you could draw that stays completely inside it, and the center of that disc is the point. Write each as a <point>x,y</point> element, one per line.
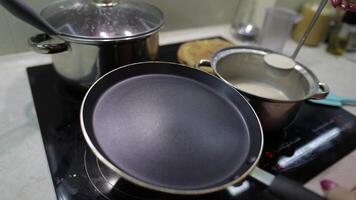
<point>276,94</point>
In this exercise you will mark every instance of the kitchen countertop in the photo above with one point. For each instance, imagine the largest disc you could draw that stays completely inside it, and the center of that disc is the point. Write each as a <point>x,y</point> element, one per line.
<point>24,171</point>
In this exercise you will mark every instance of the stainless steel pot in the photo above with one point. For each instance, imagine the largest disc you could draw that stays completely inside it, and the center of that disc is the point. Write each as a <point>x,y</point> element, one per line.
<point>275,94</point>
<point>97,36</point>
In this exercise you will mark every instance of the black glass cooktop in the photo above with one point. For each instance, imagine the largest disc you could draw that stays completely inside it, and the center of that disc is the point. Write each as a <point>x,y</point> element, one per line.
<point>319,137</point>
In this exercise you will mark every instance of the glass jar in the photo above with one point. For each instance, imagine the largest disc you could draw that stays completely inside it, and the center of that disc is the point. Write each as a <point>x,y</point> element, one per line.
<point>243,26</point>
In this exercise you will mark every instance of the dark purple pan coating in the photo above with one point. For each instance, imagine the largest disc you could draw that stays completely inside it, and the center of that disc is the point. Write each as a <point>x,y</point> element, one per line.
<point>172,127</point>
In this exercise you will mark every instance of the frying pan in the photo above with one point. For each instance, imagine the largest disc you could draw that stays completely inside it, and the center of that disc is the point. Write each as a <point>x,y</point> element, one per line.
<point>175,129</point>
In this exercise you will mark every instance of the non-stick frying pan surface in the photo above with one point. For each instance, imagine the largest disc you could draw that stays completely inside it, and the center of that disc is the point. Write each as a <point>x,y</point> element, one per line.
<point>172,127</point>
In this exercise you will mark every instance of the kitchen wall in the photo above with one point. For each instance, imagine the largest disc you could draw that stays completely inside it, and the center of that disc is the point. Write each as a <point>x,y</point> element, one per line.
<point>179,14</point>
<point>293,4</point>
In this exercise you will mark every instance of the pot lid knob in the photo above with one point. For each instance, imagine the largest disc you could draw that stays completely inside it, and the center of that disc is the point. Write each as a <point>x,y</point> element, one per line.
<point>106,2</point>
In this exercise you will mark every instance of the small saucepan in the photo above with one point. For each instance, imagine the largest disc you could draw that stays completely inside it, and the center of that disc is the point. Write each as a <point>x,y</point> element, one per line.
<point>275,94</point>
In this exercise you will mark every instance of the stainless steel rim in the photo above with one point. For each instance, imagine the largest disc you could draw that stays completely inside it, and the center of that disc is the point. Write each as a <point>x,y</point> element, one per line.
<point>93,41</point>
<point>153,187</point>
<point>224,52</point>
<point>98,40</point>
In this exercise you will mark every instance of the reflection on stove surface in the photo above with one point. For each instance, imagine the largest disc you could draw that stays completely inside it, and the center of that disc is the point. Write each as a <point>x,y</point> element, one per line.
<point>111,186</point>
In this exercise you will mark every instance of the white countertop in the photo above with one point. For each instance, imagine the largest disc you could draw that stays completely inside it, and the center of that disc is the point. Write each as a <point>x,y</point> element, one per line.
<point>24,172</point>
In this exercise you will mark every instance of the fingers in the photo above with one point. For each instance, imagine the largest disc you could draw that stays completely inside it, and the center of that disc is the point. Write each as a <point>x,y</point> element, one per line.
<point>333,192</point>
<point>347,5</point>
<point>344,4</point>
<point>354,191</point>
<point>335,3</point>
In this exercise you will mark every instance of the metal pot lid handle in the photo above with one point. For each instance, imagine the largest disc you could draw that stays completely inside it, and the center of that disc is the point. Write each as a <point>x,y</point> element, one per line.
<point>109,3</point>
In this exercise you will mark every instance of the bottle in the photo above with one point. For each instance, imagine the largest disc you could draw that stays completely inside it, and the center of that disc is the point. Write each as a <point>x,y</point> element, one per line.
<point>339,38</point>
<point>350,19</point>
<point>321,27</point>
<point>243,26</point>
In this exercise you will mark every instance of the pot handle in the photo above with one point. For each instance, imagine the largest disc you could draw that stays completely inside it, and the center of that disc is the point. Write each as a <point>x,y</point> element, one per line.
<point>43,43</point>
<point>322,93</point>
<point>205,65</point>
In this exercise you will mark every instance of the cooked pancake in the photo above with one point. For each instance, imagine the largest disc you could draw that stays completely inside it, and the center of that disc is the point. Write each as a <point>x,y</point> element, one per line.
<point>191,53</point>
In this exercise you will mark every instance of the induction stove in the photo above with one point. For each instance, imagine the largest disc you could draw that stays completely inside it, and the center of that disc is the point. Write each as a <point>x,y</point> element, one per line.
<point>319,137</point>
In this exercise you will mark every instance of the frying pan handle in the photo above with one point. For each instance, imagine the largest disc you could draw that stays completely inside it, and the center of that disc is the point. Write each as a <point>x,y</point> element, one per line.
<point>285,188</point>
<point>205,65</point>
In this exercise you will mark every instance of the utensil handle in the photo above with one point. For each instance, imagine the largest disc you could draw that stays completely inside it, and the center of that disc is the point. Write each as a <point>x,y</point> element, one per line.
<point>348,101</point>
<point>27,14</point>
<point>43,43</point>
<point>322,93</point>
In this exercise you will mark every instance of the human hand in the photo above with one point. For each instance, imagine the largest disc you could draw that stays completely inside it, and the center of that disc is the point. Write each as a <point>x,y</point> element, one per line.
<point>333,192</point>
<point>348,5</point>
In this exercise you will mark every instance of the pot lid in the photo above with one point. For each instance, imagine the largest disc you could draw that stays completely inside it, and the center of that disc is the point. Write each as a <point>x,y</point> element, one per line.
<point>103,20</point>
